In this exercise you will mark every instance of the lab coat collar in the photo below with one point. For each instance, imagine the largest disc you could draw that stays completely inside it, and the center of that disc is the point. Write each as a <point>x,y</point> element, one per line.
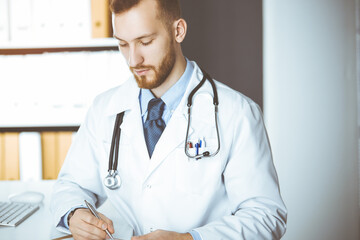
<point>196,77</point>
<point>125,98</point>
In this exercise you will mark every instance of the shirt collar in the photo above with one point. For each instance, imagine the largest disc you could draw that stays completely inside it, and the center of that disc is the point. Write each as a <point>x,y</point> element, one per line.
<point>173,96</point>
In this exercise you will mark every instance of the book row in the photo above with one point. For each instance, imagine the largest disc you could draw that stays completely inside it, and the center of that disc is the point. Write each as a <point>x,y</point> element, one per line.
<point>53,20</point>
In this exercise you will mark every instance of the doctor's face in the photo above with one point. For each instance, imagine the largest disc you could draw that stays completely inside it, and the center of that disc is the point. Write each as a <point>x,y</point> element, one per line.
<point>146,43</point>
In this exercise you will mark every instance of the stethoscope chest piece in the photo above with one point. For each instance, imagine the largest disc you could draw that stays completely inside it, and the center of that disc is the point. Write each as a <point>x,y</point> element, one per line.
<point>112,180</point>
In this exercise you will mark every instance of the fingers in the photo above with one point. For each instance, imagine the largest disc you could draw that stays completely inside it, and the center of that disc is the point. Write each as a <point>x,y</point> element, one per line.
<point>110,225</point>
<point>92,220</point>
<point>80,234</point>
<point>84,225</point>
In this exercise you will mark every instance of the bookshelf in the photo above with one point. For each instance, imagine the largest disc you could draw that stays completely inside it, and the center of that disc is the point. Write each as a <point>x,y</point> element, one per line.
<point>37,26</point>
<point>42,33</point>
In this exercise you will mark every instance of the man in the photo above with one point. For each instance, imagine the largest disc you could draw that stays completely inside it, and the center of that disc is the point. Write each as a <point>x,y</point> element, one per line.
<point>164,194</point>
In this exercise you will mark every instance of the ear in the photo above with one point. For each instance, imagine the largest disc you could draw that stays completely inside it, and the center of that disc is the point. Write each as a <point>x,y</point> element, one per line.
<point>180,30</point>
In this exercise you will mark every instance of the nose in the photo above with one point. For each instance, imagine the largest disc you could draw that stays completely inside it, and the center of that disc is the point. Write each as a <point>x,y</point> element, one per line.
<point>135,57</point>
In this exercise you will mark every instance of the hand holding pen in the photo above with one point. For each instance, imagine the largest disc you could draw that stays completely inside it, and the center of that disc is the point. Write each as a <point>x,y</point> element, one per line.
<point>93,211</point>
<point>85,225</point>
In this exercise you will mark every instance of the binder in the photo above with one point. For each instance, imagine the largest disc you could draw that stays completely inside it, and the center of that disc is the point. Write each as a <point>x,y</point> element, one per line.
<point>41,20</point>
<point>55,146</point>
<point>2,157</point>
<point>80,16</point>
<point>64,142</point>
<point>59,19</point>
<point>4,21</point>
<point>30,156</point>
<point>48,150</point>
<point>9,156</point>
<point>20,20</point>
<point>71,19</point>
<point>101,19</point>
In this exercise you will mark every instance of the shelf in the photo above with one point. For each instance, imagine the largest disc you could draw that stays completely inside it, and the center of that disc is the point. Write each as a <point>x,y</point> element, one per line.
<point>38,47</point>
<point>42,117</point>
<point>74,128</point>
<point>90,43</point>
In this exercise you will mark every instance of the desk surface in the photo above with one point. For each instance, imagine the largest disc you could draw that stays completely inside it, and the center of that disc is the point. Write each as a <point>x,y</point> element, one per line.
<point>39,225</point>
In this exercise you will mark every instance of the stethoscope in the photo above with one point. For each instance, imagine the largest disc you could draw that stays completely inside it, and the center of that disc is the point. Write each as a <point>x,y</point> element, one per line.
<point>113,180</point>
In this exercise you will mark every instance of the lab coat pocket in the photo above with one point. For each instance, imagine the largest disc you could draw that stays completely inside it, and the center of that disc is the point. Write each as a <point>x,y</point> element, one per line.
<point>197,176</point>
<point>208,145</point>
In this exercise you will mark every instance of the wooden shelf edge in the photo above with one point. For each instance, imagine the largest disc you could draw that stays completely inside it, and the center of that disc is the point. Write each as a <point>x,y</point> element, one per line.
<point>23,51</point>
<point>40,129</point>
<point>65,46</point>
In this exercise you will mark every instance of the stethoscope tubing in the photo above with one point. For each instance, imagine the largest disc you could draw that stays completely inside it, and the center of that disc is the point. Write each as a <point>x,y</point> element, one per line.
<point>115,142</point>
<point>206,76</point>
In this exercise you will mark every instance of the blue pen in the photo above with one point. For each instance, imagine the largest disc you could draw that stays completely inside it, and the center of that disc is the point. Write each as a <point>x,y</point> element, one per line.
<point>197,148</point>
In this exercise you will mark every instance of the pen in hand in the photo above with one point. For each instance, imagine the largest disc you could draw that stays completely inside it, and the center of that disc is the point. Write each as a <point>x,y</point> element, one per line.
<point>93,211</point>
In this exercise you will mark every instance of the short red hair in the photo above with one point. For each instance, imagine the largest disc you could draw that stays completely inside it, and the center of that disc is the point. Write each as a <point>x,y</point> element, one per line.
<point>168,10</point>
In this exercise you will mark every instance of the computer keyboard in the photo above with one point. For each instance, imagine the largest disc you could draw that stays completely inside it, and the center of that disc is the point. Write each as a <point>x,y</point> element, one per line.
<point>13,213</point>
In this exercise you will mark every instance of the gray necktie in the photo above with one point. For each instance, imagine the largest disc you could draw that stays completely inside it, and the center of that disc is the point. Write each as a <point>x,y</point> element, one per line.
<point>154,124</point>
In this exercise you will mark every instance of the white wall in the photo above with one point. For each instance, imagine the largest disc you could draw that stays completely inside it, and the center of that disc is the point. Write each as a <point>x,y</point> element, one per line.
<point>310,110</point>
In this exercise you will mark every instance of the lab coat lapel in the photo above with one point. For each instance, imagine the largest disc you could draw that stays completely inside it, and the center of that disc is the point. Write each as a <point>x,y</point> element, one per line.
<point>172,137</point>
<point>132,127</point>
<point>127,99</point>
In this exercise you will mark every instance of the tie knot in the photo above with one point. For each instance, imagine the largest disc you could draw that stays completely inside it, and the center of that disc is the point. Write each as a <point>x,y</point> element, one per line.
<point>155,109</point>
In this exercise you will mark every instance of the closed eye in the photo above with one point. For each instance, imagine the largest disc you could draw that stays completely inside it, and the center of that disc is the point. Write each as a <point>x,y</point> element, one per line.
<point>146,43</point>
<point>123,45</point>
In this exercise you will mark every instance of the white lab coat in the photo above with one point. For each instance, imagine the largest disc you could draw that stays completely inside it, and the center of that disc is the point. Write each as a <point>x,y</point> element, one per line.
<point>234,195</point>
